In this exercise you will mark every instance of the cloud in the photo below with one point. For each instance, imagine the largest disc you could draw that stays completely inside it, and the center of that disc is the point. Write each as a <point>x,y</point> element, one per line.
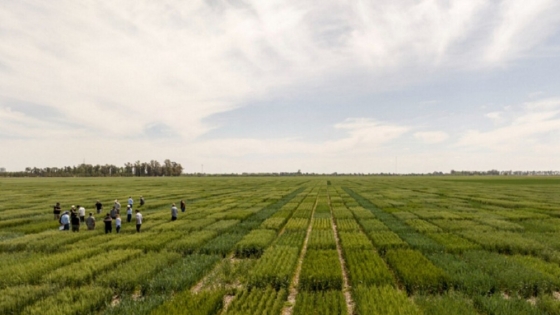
<point>527,127</point>
<point>431,137</point>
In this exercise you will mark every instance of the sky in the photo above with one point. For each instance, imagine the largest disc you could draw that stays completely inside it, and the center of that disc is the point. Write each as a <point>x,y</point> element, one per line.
<point>279,86</point>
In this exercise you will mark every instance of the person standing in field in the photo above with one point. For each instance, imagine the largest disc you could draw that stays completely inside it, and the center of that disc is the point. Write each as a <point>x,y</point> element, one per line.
<point>183,206</point>
<point>56,211</point>
<point>142,201</point>
<point>138,220</point>
<point>108,224</point>
<point>82,212</point>
<point>117,206</point>
<point>114,213</point>
<point>75,221</point>
<point>65,221</point>
<point>130,201</point>
<point>128,213</point>
<point>90,222</point>
<point>118,223</point>
<point>98,206</point>
<point>173,212</point>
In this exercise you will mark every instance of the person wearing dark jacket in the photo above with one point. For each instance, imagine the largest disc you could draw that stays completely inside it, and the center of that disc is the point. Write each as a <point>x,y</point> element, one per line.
<point>75,221</point>
<point>108,223</point>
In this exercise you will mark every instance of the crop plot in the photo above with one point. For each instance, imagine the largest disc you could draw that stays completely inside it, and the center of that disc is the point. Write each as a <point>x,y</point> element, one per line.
<point>285,245</point>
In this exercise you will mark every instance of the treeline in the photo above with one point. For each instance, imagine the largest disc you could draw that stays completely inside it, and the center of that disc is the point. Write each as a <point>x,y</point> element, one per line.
<point>152,168</point>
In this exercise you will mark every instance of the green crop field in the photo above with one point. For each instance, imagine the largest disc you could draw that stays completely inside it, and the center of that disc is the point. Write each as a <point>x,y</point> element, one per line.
<point>285,245</point>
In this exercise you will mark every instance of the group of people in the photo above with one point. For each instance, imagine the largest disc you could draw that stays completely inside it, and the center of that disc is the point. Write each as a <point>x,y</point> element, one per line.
<point>76,216</point>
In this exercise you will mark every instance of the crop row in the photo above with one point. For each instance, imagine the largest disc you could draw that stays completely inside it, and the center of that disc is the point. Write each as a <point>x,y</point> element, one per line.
<point>328,277</point>
<point>258,301</point>
<point>329,302</point>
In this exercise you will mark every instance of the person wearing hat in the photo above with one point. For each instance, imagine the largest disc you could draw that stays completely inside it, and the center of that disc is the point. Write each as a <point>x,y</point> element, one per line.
<point>138,220</point>
<point>117,206</point>
<point>128,213</point>
<point>173,212</point>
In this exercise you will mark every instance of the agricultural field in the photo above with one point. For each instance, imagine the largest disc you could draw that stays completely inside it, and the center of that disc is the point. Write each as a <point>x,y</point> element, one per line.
<point>285,245</point>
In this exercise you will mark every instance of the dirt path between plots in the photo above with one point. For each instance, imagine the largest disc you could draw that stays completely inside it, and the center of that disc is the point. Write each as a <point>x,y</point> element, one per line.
<point>345,283</point>
<point>289,308</point>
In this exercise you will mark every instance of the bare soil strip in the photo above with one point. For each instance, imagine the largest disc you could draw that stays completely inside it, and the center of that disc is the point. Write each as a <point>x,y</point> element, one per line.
<point>345,283</point>
<point>289,308</point>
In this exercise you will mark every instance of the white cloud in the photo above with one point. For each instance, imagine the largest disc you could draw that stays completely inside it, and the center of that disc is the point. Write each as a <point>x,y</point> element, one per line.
<point>431,137</point>
<point>522,131</point>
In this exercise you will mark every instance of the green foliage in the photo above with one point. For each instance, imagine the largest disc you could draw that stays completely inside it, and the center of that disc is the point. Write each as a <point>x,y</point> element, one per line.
<point>347,225</point>
<point>451,303</point>
<point>354,240</point>
<point>453,243</point>
<point>386,239</point>
<point>321,271</point>
<point>221,245</point>
<point>497,305</point>
<point>366,267</point>
<point>504,242</point>
<point>423,226</point>
<point>322,223</point>
<point>321,239</point>
<point>13,299</point>
<point>138,272</point>
<point>329,302</point>
<point>254,243</point>
<point>182,275</point>
<point>383,300</point>
<point>258,301</point>
<point>84,271</point>
<point>416,272</point>
<point>82,300</point>
<point>297,224</point>
<point>293,238</point>
<point>274,223</point>
<point>275,267</point>
<point>203,303</point>
<point>373,225</point>
<point>191,242</point>
<point>511,276</point>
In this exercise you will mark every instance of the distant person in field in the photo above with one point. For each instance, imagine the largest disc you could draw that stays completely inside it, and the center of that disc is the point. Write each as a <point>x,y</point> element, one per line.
<point>82,213</point>
<point>142,201</point>
<point>56,211</point>
<point>98,206</point>
<point>65,221</point>
<point>75,221</point>
<point>117,206</point>
<point>114,213</point>
<point>108,224</point>
<point>130,201</point>
<point>183,206</point>
<point>173,212</point>
<point>138,220</point>
<point>90,222</point>
<point>128,213</point>
<point>118,223</point>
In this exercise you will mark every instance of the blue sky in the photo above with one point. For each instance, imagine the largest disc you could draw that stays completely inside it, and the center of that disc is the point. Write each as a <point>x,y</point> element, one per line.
<point>256,86</point>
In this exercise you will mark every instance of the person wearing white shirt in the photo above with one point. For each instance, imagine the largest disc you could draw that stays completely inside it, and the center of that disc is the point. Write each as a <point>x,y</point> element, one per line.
<point>128,213</point>
<point>82,213</point>
<point>138,221</point>
<point>118,223</point>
